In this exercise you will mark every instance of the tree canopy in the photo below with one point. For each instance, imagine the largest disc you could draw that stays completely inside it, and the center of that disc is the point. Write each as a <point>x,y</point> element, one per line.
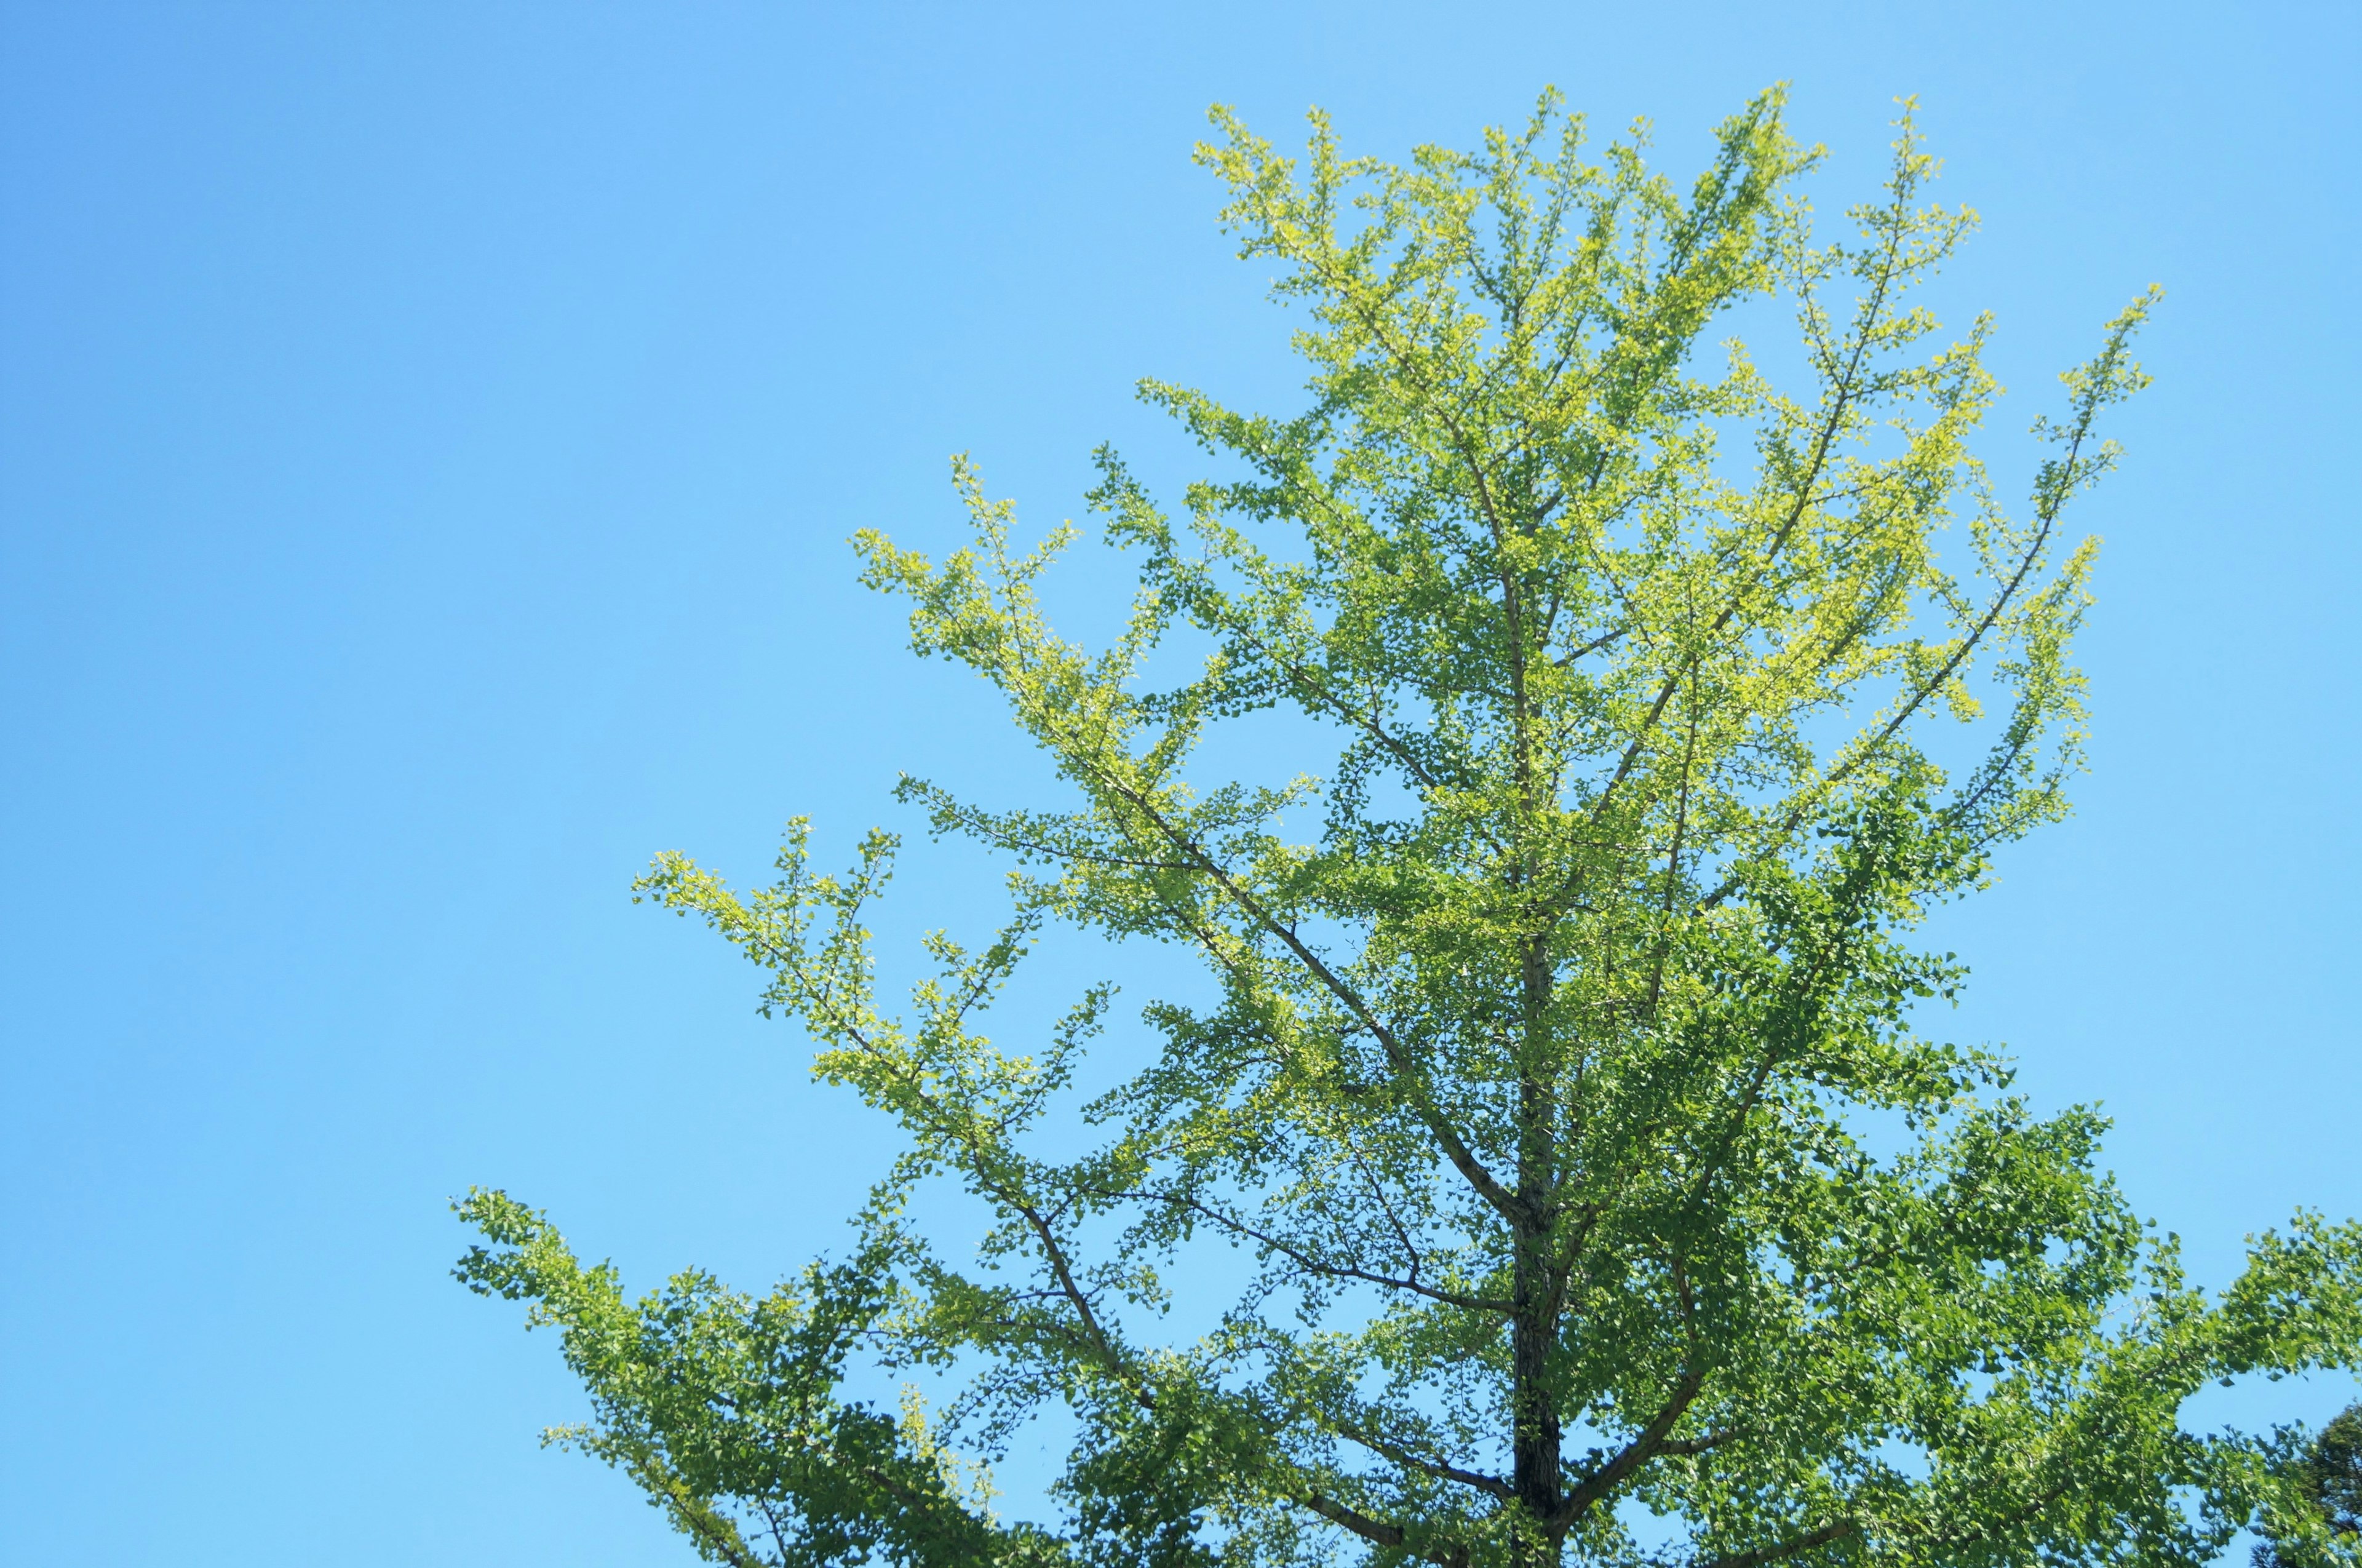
<point>2321,1511</point>
<point>1562,1079</point>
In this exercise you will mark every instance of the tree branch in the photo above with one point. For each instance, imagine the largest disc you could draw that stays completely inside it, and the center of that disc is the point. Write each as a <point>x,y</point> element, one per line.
<point>1825,1535</point>
<point>1308,1262</point>
<point>1491,1485</point>
<point>1634,1454</point>
<point>1379,1533</point>
<point>1463,1159</point>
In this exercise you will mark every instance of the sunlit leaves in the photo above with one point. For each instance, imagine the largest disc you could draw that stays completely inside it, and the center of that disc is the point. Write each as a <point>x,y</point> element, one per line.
<point>1560,1078</point>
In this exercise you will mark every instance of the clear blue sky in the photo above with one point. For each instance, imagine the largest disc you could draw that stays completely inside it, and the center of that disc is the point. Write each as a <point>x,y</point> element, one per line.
<point>429,436</point>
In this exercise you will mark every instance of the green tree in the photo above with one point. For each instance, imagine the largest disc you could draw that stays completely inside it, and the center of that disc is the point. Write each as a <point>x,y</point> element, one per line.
<point>2321,1509</point>
<point>1553,1015</point>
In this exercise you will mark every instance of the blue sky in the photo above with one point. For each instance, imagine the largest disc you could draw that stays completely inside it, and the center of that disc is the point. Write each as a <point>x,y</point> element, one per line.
<point>428,437</point>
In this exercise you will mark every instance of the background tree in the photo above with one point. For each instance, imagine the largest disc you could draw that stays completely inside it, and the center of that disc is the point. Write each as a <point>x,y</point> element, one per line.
<point>1555,1016</point>
<point>2322,1510</point>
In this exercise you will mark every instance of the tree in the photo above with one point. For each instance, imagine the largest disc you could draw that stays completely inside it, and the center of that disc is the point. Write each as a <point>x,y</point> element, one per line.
<point>1560,1079</point>
<point>2322,1510</point>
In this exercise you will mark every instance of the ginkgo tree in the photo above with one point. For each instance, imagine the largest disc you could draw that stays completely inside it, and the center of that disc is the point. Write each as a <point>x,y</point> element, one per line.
<point>1548,1007</point>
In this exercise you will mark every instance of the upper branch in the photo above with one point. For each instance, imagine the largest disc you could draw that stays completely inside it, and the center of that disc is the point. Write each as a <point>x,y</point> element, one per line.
<point>1312,1265</point>
<point>1795,1546</point>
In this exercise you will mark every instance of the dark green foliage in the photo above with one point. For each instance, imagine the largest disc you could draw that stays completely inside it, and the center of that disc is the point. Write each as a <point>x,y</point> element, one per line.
<point>2326,1510</point>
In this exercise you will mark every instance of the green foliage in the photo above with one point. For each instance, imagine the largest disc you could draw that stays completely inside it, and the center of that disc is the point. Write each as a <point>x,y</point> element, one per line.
<point>1553,1014</point>
<point>2317,1507</point>
<point>704,1397</point>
